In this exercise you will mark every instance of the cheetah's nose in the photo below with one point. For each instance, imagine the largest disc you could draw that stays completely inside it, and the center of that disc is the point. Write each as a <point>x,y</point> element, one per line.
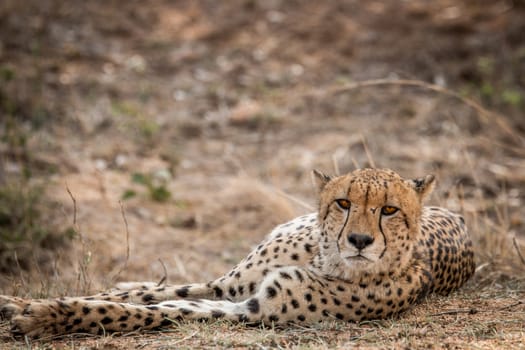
<point>360,241</point>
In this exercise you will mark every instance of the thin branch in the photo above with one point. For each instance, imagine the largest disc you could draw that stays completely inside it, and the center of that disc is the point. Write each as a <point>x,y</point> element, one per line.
<point>101,185</point>
<point>335,164</point>
<point>510,306</point>
<point>416,83</point>
<point>355,163</point>
<point>20,269</point>
<point>164,278</point>
<point>185,338</point>
<point>127,231</point>
<point>515,242</point>
<point>456,312</point>
<point>293,199</point>
<point>473,311</point>
<point>367,151</point>
<point>86,255</point>
<point>74,205</point>
<point>484,113</point>
<point>123,267</point>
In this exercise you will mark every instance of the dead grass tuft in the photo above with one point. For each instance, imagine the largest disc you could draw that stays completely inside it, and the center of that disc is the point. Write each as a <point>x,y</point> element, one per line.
<point>251,199</point>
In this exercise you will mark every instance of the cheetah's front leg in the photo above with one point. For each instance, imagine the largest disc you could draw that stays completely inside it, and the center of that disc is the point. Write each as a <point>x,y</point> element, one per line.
<point>152,293</point>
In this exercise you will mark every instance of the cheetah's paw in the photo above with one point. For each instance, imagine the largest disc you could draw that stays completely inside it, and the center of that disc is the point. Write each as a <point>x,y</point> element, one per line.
<point>38,318</point>
<point>11,306</point>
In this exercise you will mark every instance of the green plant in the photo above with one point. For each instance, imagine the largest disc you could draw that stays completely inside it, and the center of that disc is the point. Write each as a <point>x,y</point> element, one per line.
<point>493,88</point>
<point>154,183</point>
<point>26,234</point>
<point>137,120</point>
<point>512,97</point>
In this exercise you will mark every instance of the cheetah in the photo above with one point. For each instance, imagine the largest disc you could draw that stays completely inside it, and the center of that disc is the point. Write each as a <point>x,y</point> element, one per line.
<point>371,251</point>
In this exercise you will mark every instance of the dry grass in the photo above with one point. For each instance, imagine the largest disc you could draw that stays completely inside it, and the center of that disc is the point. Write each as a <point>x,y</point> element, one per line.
<point>234,172</point>
<point>489,313</point>
<point>479,319</point>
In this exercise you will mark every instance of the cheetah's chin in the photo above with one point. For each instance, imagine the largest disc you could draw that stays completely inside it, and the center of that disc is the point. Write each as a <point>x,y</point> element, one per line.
<point>357,260</point>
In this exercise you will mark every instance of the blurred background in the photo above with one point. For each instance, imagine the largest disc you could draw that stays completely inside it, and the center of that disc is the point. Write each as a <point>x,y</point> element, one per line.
<point>142,140</point>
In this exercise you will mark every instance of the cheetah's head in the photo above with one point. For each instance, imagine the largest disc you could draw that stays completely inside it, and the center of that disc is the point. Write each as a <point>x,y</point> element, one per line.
<point>369,220</point>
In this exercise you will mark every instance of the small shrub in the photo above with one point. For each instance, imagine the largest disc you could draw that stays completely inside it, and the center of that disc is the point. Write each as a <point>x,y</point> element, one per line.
<point>155,185</point>
<point>27,236</point>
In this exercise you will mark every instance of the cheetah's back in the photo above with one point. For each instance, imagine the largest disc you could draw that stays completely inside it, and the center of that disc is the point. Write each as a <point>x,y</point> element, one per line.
<point>448,248</point>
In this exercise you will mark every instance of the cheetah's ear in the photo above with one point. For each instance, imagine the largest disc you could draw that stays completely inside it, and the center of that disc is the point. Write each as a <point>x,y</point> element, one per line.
<point>424,186</point>
<point>320,180</point>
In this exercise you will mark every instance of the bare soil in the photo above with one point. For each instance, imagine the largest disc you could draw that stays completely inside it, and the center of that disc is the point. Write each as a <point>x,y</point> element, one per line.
<point>228,106</point>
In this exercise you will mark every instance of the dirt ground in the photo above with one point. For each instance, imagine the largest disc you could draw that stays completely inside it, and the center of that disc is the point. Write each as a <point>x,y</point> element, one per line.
<point>184,131</point>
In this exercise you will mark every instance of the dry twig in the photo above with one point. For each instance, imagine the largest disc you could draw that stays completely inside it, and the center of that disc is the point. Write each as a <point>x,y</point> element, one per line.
<point>367,151</point>
<point>470,311</point>
<point>74,206</point>
<point>484,113</point>
<point>19,269</point>
<point>515,242</point>
<point>293,199</point>
<point>125,265</point>
<point>83,273</point>
<point>164,278</point>
<point>510,306</point>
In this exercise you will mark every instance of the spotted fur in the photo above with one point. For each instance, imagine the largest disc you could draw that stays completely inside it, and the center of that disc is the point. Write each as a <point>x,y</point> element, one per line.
<point>371,251</point>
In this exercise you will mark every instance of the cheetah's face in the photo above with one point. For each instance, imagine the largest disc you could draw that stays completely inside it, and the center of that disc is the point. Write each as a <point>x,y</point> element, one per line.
<point>370,218</point>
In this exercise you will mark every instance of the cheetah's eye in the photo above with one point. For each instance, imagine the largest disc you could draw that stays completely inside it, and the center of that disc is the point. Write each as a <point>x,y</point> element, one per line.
<point>343,203</point>
<point>389,210</point>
